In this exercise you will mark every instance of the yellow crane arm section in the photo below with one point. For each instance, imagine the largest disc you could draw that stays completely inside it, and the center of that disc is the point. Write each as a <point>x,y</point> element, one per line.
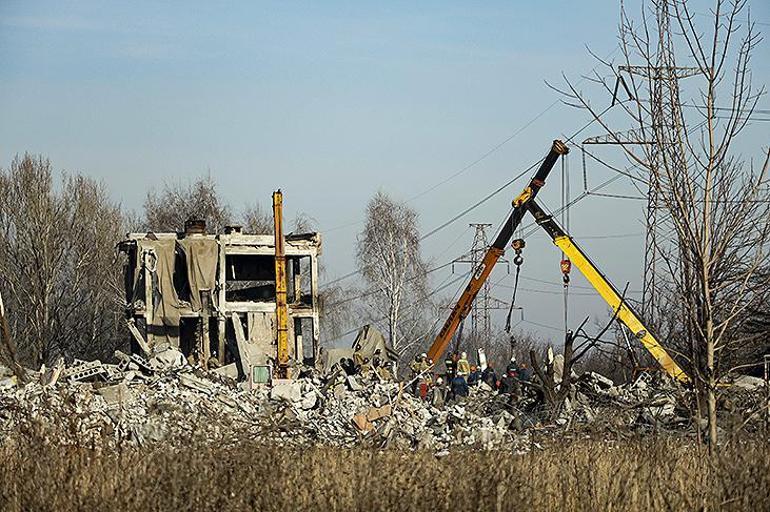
<point>608,292</point>
<point>281,308</point>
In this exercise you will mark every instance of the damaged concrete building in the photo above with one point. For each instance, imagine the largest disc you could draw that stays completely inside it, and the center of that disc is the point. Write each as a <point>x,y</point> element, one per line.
<point>213,297</point>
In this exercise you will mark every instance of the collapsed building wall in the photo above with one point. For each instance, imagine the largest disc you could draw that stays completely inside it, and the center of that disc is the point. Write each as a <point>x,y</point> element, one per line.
<point>213,297</point>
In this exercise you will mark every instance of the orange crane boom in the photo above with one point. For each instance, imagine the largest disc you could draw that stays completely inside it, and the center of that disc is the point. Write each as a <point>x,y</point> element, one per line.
<point>495,251</point>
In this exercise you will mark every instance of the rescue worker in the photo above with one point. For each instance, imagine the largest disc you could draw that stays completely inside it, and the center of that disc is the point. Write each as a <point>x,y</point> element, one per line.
<point>416,367</point>
<point>449,363</point>
<point>463,367</point>
<point>509,385</point>
<point>512,365</point>
<point>475,376</point>
<point>489,376</point>
<point>438,393</point>
<point>459,388</point>
<point>426,379</point>
<point>525,374</point>
<point>425,366</point>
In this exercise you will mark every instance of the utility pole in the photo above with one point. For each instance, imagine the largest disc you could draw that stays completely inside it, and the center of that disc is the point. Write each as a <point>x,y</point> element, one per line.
<point>481,322</point>
<point>663,82</point>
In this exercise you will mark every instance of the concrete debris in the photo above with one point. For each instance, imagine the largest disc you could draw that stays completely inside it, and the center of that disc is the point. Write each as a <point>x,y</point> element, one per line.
<point>748,382</point>
<point>287,390</point>
<point>117,394</point>
<point>167,359</point>
<point>228,370</point>
<point>167,400</point>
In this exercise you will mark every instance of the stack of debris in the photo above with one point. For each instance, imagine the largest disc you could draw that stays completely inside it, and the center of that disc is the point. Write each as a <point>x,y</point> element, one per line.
<point>164,399</point>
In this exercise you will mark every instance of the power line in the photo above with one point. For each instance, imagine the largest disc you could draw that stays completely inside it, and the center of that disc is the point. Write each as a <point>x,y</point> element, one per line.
<point>479,203</point>
<point>510,182</point>
<point>544,326</point>
<point>371,291</point>
<point>571,203</point>
<point>496,147</point>
<point>490,151</point>
<point>424,299</point>
<point>604,237</point>
<point>488,196</point>
<point>728,109</point>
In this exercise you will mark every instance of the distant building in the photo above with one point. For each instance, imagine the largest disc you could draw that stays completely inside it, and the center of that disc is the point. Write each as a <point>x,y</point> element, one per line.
<point>213,296</point>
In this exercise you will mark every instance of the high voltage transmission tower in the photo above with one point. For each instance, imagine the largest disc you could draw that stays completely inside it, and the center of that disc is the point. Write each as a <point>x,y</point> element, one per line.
<point>481,322</point>
<point>665,118</point>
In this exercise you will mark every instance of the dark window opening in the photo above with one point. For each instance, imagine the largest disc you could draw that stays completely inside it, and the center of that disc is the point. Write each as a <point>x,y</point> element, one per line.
<point>303,328</point>
<point>189,329</point>
<point>299,283</point>
<point>129,268</point>
<point>181,281</point>
<point>249,278</point>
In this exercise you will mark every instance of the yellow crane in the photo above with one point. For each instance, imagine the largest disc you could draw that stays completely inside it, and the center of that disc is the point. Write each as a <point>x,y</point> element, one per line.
<point>525,202</point>
<point>281,306</point>
<point>620,307</point>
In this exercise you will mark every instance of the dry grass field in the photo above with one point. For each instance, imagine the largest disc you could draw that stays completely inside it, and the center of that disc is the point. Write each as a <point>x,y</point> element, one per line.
<point>574,475</point>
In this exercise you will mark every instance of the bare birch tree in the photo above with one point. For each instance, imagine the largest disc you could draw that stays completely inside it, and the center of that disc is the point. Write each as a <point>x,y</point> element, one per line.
<point>58,270</point>
<point>712,203</point>
<point>388,253</point>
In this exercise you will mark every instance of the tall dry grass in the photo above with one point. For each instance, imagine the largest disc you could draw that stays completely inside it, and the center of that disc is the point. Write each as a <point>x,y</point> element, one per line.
<point>576,475</point>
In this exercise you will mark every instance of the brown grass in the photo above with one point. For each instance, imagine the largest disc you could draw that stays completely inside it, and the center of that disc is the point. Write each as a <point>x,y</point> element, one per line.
<point>579,475</point>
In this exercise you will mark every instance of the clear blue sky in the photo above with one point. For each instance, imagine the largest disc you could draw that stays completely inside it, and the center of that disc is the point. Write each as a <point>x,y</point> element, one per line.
<point>329,101</point>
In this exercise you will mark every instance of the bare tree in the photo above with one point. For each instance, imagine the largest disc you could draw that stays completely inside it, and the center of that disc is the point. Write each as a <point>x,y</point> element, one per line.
<point>257,220</point>
<point>176,203</point>
<point>7,346</point>
<point>58,270</point>
<point>716,204</point>
<point>388,254</point>
<point>338,312</point>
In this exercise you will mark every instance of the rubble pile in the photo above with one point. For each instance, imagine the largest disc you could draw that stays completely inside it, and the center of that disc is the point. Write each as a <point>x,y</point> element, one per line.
<point>648,403</point>
<point>165,400</point>
<point>140,402</point>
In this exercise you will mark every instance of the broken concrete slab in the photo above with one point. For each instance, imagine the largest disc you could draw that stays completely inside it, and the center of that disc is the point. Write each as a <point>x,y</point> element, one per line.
<point>228,370</point>
<point>375,413</point>
<point>191,381</point>
<point>117,394</point>
<point>748,382</point>
<point>287,390</point>
<point>84,371</point>
<point>168,359</point>
<point>144,407</point>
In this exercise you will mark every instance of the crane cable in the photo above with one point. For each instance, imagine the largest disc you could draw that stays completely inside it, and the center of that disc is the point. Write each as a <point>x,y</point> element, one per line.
<point>518,246</point>
<point>513,300</point>
<point>565,265</point>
